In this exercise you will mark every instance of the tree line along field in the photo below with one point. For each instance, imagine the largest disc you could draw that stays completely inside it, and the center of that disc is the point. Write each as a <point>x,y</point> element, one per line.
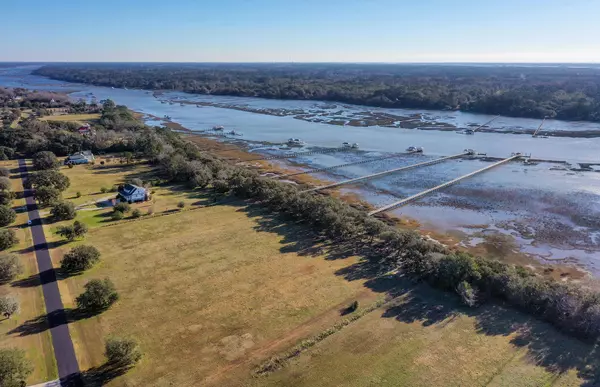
<point>38,345</point>
<point>225,287</point>
<point>560,92</point>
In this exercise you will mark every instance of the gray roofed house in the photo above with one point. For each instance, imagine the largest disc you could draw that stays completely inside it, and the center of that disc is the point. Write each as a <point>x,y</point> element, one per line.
<point>132,193</point>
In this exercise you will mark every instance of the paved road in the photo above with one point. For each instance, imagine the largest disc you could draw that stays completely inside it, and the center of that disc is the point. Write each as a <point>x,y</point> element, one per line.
<point>68,368</point>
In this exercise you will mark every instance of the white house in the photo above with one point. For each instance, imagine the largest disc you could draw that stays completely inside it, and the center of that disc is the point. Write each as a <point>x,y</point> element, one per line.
<point>132,193</point>
<point>84,157</point>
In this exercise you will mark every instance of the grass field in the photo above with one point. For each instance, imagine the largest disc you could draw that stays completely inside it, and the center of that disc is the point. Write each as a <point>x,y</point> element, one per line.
<point>212,293</point>
<point>72,117</point>
<point>209,287</point>
<point>426,339</point>
<point>38,346</point>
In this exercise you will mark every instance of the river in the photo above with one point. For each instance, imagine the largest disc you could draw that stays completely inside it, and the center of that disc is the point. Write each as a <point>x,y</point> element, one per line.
<point>545,211</point>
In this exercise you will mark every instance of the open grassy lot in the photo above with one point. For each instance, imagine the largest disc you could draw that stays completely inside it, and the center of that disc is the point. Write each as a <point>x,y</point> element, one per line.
<point>208,294</point>
<point>38,346</point>
<point>72,117</point>
<point>426,339</point>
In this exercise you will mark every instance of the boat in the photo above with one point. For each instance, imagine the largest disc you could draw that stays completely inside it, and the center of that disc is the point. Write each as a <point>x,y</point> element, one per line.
<point>166,117</point>
<point>414,149</point>
<point>295,142</point>
<point>218,128</point>
<point>163,102</point>
<point>466,131</point>
<point>181,104</point>
<point>234,133</point>
<point>198,106</point>
<point>470,152</point>
<point>171,103</point>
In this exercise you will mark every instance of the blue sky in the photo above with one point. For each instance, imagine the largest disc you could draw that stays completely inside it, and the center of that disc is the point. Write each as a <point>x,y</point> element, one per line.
<point>301,30</point>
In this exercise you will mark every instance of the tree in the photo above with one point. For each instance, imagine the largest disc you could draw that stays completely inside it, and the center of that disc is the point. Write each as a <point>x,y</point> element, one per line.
<point>136,213</point>
<point>5,184</point>
<point>74,231</point>
<point>181,205</point>
<point>10,267</point>
<point>50,178</point>
<point>7,215</point>
<point>98,295</point>
<point>128,156</point>
<point>45,160</point>
<point>8,238</point>
<point>4,172</point>
<point>63,211</point>
<point>6,198</point>
<point>46,195</point>
<point>80,258</point>
<point>14,367</point>
<point>122,352</point>
<point>8,306</point>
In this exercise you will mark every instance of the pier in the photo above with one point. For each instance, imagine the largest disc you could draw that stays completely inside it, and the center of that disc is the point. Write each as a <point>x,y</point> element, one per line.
<point>384,173</point>
<point>412,198</point>
<point>315,170</point>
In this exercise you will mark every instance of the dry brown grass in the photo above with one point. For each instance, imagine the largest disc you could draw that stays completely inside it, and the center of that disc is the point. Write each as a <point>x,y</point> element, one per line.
<point>206,288</point>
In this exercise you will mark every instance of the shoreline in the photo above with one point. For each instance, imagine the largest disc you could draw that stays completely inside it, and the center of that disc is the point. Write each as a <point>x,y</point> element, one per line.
<point>502,248</point>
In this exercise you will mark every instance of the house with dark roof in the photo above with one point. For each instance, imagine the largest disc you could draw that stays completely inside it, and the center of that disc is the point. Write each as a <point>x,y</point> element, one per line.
<point>132,193</point>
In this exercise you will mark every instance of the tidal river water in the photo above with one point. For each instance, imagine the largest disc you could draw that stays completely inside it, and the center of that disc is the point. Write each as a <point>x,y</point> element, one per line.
<point>547,211</point>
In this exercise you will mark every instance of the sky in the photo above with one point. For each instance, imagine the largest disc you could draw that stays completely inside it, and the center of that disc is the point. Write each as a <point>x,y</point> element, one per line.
<point>301,31</point>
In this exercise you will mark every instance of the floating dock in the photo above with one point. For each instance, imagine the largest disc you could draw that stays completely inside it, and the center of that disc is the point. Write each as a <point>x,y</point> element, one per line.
<point>300,154</point>
<point>412,198</point>
<point>379,174</point>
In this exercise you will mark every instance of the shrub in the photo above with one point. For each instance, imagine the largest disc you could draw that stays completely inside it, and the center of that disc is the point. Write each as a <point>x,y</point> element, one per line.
<point>45,160</point>
<point>63,211</point>
<point>136,213</point>
<point>117,215</point>
<point>6,153</point>
<point>14,367</point>
<point>46,195</point>
<point>467,293</point>
<point>50,178</point>
<point>5,184</point>
<point>79,259</point>
<point>10,267</point>
<point>78,194</point>
<point>181,205</point>
<point>8,238</point>
<point>4,172</point>
<point>150,211</point>
<point>8,306</point>
<point>7,216</point>
<point>98,295</point>
<point>122,352</point>
<point>104,190</point>
<point>123,207</point>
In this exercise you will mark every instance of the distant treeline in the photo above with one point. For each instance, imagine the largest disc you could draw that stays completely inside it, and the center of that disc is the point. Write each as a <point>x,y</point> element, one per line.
<point>559,92</point>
